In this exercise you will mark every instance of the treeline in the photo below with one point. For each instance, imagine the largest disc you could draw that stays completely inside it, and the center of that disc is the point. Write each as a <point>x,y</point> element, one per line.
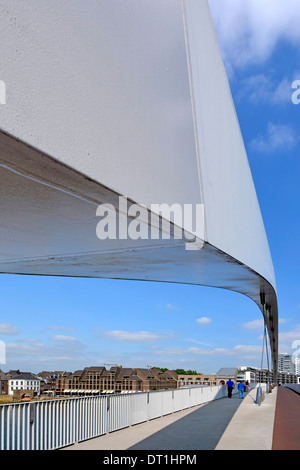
<point>181,371</point>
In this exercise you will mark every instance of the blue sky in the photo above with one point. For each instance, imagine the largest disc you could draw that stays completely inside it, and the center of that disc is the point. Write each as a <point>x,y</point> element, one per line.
<point>66,324</point>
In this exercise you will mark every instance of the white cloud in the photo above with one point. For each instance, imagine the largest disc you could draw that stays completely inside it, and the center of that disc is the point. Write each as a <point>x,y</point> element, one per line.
<point>170,306</point>
<point>33,356</point>
<point>25,349</point>
<point>144,336</point>
<point>29,340</point>
<point>67,343</point>
<point>254,325</point>
<point>282,93</point>
<point>242,348</point>
<point>287,338</point>
<point>63,338</point>
<point>262,88</point>
<point>208,352</point>
<point>8,329</point>
<point>60,328</point>
<point>20,355</point>
<point>278,137</point>
<point>249,30</point>
<point>197,342</point>
<point>241,351</point>
<point>282,320</point>
<point>203,321</point>
<point>60,358</point>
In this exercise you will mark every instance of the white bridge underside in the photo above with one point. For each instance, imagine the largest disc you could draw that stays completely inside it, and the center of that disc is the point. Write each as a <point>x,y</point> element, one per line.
<point>112,98</point>
<point>48,227</point>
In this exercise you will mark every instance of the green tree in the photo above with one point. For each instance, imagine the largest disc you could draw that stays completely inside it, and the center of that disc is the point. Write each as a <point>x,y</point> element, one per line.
<point>187,372</point>
<point>180,371</point>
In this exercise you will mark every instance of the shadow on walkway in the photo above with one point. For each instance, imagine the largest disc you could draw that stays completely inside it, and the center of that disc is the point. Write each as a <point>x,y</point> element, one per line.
<point>200,430</point>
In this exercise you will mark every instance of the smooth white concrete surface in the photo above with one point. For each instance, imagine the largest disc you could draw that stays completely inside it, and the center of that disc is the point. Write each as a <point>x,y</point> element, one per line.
<point>103,87</point>
<point>129,98</point>
<point>135,96</point>
<point>251,428</point>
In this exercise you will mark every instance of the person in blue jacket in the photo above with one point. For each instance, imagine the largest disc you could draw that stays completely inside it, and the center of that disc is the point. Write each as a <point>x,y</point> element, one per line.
<point>241,389</point>
<point>230,387</point>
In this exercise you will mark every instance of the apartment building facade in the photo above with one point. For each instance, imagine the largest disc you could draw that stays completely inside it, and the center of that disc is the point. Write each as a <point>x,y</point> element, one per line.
<point>93,380</point>
<point>288,364</point>
<point>199,379</point>
<point>25,381</point>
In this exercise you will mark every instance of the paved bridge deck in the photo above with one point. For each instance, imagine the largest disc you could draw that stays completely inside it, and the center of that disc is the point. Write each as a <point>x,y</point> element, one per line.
<point>286,432</point>
<point>224,424</point>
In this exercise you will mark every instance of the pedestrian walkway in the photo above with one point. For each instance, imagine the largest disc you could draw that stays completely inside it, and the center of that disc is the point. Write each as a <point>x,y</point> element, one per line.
<point>251,428</point>
<point>227,423</point>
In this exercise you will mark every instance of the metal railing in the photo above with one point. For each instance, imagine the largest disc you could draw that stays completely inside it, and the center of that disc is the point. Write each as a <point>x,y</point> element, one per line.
<point>260,395</point>
<point>53,424</point>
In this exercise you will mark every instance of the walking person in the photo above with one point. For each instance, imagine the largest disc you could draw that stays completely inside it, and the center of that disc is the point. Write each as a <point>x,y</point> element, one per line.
<point>230,386</point>
<point>241,389</point>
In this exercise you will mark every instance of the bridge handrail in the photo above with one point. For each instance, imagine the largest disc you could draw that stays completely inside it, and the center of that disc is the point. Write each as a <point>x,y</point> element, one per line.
<point>53,424</point>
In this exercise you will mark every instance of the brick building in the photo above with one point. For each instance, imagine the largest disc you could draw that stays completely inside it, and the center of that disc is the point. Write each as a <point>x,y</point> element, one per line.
<point>93,380</point>
<point>23,381</point>
<point>155,379</point>
<point>198,379</point>
<point>3,383</point>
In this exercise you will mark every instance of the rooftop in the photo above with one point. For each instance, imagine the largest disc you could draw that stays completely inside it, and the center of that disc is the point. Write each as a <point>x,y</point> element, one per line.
<point>24,376</point>
<point>227,371</point>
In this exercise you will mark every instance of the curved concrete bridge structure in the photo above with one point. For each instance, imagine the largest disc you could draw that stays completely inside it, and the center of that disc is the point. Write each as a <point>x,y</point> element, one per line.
<point>129,99</point>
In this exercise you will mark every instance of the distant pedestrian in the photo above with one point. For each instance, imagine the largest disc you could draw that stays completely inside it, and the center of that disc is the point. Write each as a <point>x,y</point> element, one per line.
<point>230,386</point>
<point>241,389</point>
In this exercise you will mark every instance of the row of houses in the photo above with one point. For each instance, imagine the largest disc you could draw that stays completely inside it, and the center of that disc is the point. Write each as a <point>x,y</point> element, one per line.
<point>97,379</point>
<point>14,381</point>
<point>116,379</point>
<point>86,381</point>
